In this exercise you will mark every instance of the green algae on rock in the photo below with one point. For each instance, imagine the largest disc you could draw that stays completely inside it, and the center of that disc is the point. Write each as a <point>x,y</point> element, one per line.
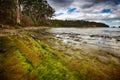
<point>25,58</point>
<point>30,55</point>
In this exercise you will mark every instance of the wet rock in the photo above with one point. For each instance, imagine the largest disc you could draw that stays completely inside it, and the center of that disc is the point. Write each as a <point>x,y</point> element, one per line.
<point>56,43</point>
<point>117,39</point>
<point>103,36</point>
<point>76,47</point>
<point>69,52</point>
<point>58,36</point>
<point>93,36</point>
<point>84,53</point>
<point>69,45</point>
<point>72,36</point>
<point>117,54</point>
<point>79,57</point>
<point>84,42</point>
<point>103,59</point>
<point>61,48</point>
<point>55,47</point>
<point>115,61</point>
<point>63,44</point>
<point>76,39</point>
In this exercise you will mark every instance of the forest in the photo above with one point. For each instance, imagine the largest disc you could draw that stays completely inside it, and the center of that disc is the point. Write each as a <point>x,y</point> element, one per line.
<point>75,23</point>
<point>24,12</point>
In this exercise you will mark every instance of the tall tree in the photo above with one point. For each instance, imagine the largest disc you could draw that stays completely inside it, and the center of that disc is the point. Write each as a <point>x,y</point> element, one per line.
<point>38,10</point>
<point>7,8</point>
<point>17,12</point>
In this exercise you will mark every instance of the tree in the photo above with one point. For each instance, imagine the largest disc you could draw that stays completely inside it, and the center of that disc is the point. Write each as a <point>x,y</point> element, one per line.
<point>17,12</point>
<point>38,10</point>
<point>7,8</point>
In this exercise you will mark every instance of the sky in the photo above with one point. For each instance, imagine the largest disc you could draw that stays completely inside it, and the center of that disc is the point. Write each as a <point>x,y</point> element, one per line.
<point>105,11</point>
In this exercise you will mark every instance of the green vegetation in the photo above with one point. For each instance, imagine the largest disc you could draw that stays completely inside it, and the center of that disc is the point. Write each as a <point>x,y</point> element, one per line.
<point>88,63</point>
<point>24,12</point>
<point>7,11</point>
<point>75,23</point>
<point>26,57</point>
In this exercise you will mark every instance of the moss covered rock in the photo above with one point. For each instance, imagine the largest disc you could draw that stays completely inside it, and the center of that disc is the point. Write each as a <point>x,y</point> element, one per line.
<point>25,58</point>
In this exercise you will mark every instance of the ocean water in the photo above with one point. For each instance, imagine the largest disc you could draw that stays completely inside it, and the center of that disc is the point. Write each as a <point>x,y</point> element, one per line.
<point>108,39</point>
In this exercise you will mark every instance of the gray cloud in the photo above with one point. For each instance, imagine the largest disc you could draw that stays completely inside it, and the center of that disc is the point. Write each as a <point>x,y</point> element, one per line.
<point>60,3</point>
<point>90,3</point>
<point>101,1</point>
<point>87,9</point>
<point>67,2</point>
<point>87,6</point>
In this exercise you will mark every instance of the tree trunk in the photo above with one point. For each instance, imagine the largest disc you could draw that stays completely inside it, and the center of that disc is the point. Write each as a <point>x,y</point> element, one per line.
<point>18,13</point>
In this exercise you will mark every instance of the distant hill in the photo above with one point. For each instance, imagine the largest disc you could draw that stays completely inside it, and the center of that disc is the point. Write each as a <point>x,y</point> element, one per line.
<point>75,23</point>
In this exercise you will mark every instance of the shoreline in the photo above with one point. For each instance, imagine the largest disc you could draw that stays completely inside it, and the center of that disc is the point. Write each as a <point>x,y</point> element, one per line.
<point>42,52</point>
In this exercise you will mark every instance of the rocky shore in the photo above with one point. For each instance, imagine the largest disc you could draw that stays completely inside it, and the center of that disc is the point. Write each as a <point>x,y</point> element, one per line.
<point>38,55</point>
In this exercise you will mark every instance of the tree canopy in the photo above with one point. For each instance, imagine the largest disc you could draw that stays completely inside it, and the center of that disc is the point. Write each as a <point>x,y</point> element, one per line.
<point>37,10</point>
<point>75,23</point>
<point>6,11</point>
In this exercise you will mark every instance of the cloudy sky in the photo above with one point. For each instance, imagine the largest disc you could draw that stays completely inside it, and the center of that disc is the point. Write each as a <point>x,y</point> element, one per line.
<point>107,11</point>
